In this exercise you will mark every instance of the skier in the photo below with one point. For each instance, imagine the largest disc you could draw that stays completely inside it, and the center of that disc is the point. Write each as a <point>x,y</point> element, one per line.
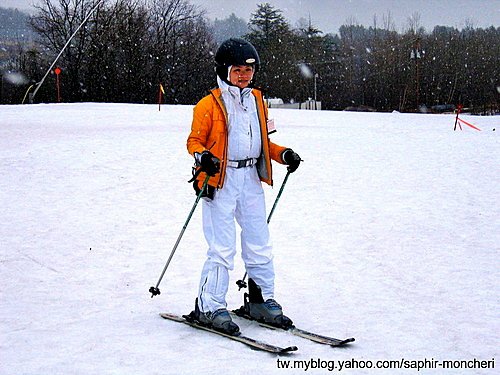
<point>229,141</point>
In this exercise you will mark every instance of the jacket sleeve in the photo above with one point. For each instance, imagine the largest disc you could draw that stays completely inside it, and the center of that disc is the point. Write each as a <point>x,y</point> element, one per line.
<point>200,127</point>
<point>276,151</point>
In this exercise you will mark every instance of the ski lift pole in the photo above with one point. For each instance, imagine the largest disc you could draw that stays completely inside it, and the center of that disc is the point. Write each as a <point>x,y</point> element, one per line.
<point>154,290</point>
<point>242,283</point>
<point>38,84</point>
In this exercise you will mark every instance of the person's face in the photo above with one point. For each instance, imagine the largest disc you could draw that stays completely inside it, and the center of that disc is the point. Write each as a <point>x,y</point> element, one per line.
<point>241,75</point>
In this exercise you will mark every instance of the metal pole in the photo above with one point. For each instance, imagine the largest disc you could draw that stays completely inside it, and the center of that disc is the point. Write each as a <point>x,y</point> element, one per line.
<point>154,289</point>
<point>62,50</point>
<point>278,197</point>
<point>315,91</point>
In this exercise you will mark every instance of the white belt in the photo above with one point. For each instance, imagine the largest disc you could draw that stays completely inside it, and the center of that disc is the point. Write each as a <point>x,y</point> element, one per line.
<point>241,163</point>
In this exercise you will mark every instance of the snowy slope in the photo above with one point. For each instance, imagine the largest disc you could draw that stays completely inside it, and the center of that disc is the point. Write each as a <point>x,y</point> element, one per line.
<point>388,232</point>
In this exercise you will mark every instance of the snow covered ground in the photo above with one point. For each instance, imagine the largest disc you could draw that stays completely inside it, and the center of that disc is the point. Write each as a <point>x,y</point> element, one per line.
<point>388,232</point>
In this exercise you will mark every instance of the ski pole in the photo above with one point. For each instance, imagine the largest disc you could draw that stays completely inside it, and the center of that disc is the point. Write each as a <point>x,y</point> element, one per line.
<point>242,283</point>
<point>278,197</point>
<point>154,289</point>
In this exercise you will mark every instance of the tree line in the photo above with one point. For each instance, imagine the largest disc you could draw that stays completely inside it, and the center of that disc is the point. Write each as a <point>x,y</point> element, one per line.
<point>128,47</point>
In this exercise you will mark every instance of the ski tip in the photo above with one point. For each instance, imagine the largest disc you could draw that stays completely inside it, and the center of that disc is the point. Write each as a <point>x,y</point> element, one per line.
<point>289,349</point>
<point>173,317</point>
<point>344,342</point>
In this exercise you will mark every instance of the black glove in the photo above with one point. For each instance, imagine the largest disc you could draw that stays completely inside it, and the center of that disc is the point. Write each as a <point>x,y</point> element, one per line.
<point>209,163</point>
<point>292,159</point>
<point>208,192</point>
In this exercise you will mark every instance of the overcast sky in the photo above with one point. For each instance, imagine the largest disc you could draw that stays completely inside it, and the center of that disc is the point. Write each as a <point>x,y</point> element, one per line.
<point>329,15</point>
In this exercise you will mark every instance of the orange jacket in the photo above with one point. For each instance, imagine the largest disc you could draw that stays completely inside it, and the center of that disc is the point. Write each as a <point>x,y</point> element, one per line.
<point>209,132</point>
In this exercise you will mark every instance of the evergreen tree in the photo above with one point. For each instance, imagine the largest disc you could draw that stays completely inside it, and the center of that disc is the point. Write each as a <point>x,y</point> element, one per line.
<point>271,35</point>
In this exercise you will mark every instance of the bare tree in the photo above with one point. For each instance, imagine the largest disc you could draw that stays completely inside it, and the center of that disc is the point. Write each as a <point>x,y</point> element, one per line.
<point>414,25</point>
<point>55,22</point>
<point>117,59</point>
<point>176,25</point>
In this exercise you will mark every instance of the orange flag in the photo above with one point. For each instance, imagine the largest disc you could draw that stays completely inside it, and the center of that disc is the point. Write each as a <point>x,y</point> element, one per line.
<point>160,92</point>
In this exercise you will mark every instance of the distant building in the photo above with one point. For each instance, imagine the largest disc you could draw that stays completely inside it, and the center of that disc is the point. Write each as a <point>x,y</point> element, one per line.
<point>310,104</point>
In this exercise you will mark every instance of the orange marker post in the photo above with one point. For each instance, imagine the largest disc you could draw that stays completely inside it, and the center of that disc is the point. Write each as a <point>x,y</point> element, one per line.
<point>58,71</point>
<point>161,92</point>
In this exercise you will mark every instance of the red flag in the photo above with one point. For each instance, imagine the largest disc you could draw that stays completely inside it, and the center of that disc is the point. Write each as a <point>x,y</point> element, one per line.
<point>466,123</point>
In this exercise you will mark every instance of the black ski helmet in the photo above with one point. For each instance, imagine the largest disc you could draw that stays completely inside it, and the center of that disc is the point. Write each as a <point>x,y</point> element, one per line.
<point>235,51</point>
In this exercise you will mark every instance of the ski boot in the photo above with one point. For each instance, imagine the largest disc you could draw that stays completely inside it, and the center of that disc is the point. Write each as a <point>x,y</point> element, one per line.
<point>220,320</point>
<point>270,311</point>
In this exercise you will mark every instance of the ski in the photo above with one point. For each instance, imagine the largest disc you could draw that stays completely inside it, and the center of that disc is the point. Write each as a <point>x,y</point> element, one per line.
<point>255,344</point>
<point>298,332</point>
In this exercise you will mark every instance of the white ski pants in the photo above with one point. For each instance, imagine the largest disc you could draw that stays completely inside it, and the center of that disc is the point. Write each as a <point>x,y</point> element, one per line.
<point>241,198</point>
